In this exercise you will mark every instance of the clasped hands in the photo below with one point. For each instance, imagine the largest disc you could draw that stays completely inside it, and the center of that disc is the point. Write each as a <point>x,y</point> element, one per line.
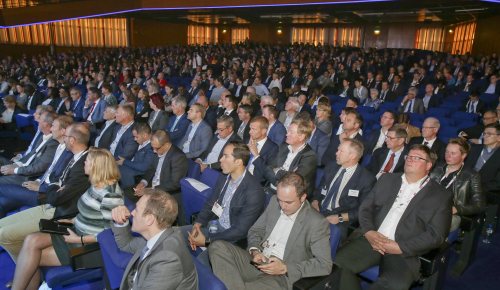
<point>382,244</point>
<point>8,169</point>
<point>270,266</point>
<point>196,237</point>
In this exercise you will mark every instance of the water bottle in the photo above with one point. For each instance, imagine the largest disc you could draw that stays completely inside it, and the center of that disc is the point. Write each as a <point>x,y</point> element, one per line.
<point>212,227</point>
<point>489,233</point>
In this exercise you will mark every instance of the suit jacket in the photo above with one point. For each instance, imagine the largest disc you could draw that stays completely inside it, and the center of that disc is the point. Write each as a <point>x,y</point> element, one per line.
<point>41,162</point>
<point>62,107</point>
<point>371,141</point>
<point>479,109</point>
<point>277,133</point>
<point>174,167</point>
<point>137,165</point>
<point>282,117</point>
<point>304,164</point>
<point>361,181</point>
<point>36,99</point>
<point>211,117</point>
<point>388,96</point>
<point>160,122</point>
<point>331,150</point>
<point>307,251</point>
<point>168,265</point>
<point>246,206</point>
<point>438,146</point>
<point>74,184</point>
<point>425,222</point>
<point>434,101</point>
<point>361,96</point>
<point>379,156</point>
<point>490,172</point>
<point>97,114</point>
<point>418,106</point>
<point>77,109</point>
<point>267,153</point>
<point>176,133</point>
<point>142,109</point>
<point>107,135</point>
<point>238,94</point>
<point>319,142</point>
<point>215,138</point>
<point>400,90</point>
<point>126,146</point>
<point>200,141</point>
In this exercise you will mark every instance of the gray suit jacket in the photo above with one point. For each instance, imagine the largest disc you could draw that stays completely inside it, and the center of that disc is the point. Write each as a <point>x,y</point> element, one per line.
<point>200,140</point>
<point>418,106</point>
<point>174,167</point>
<point>160,122</point>
<point>307,251</point>
<point>168,265</point>
<point>41,162</point>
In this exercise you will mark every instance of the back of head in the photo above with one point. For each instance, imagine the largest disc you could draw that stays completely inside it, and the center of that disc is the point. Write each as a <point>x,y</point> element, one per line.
<point>162,206</point>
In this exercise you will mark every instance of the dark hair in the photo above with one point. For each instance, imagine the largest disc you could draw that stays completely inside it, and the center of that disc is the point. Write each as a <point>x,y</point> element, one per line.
<point>493,125</point>
<point>142,128</point>
<point>431,155</point>
<point>272,110</point>
<point>240,151</point>
<point>295,180</point>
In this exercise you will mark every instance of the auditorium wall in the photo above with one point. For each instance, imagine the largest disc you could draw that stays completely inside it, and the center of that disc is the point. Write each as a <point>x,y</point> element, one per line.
<point>487,36</point>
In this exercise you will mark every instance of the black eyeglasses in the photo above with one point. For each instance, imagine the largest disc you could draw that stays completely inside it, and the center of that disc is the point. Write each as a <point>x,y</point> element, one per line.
<point>415,158</point>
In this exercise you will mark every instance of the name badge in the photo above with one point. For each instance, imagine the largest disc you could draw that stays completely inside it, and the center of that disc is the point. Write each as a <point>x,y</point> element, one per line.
<point>353,192</point>
<point>324,191</point>
<point>217,209</point>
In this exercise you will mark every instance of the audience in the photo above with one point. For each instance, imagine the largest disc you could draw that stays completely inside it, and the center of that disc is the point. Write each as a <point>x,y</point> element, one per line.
<point>198,134</point>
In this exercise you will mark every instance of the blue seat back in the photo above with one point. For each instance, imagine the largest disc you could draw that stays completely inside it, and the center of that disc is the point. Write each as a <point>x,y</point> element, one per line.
<point>210,176</point>
<point>115,261</point>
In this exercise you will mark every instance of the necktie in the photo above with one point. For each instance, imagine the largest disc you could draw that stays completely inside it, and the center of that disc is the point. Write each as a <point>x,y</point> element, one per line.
<point>426,143</point>
<point>389,164</point>
<point>332,193</point>
<point>143,253</point>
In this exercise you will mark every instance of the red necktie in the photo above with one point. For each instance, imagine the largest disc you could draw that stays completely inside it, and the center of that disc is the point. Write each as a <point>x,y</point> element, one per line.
<point>389,164</point>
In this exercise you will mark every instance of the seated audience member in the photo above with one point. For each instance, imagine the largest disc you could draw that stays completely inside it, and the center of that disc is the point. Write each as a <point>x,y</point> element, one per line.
<point>305,106</point>
<point>430,99</point>
<point>161,260</point>
<point>165,172</point>
<point>291,110</point>
<point>230,105</point>
<point>260,88</point>
<point>65,103</point>
<point>8,115</point>
<point>377,138</point>
<point>178,122</point>
<point>343,187</point>
<point>210,111</point>
<point>158,118</point>
<point>346,91</point>
<point>142,159</point>
<point>360,92</point>
<point>265,100</point>
<point>123,144</point>
<point>323,119</point>
<point>390,158</point>
<point>474,105</point>
<point>217,90</point>
<point>373,101</point>
<point>106,133</point>
<point>225,135</point>
<point>13,196</point>
<point>235,204</point>
<point>94,215</point>
<point>318,140</point>
<point>260,146</point>
<point>198,134</point>
<point>485,158</point>
<point>35,97</point>
<point>404,216</point>
<point>244,115</point>
<point>386,95</point>
<point>429,138</point>
<point>411,104</point>
<point>60,198</point>
<point>475,133</point>
<point>289,241</point>
<point>276,131</point>
<point>294,156</point>
<point>403,122</point>
<point>493,87</point>
<point>142,109</point>
<point>398,89</point>
<point>77,105</point>
<point>463,182</point>
<point>350,129</point>
<point>107,95</point>
<point>93,109</point>
<point>52,98</point>
<point>37,161</point>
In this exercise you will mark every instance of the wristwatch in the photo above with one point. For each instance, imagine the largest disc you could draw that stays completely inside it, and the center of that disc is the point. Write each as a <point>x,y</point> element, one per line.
<point>341,219</point>
<point>207,242</point>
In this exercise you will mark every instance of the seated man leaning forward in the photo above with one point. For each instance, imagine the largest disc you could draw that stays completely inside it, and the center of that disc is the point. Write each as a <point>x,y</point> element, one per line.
<point>161,259</point>
<point>289,241</point>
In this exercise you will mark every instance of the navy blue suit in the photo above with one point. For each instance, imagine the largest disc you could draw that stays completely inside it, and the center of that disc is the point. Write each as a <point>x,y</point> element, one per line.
<point>199,142</point>
<point>245,207</point>
<point>179,130</point>
<point>137,166</point>
<point>127,146</point>
<point>77,109</point>
<point>319,142</point>
<point>277,133</point>
<point>371,141</point>
<point>331,150</point>
<point>268,152</point>
<point>98,113</point>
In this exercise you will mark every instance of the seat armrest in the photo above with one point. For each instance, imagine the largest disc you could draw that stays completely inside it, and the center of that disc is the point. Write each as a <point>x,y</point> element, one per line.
<point>431,261</point>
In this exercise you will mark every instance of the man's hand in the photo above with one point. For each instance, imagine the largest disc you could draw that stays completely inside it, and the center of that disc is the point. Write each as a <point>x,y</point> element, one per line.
<point>203,167</point>
<point>196,238</point>
<point>315,204</point>
<point>274,267</point>
<point>120,214</point>
<point>252,146</point>
<point>454,210</point>
<point>120,160</point>
<point>7,169</point>
<point>377,241</point>
<point>333,219</point>
<point>139,189</point>
<point>391,247</point>
<point>31,185</point>
<point>258,257</point>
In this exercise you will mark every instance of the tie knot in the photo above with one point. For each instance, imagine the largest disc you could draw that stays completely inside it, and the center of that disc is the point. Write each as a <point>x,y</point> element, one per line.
<point>143,252</point>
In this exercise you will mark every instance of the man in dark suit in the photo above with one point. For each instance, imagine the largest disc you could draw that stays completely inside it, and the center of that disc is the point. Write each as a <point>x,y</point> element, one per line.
<point>485,158</point>
<point>377,137</point>
<point>386,94</point>
<point>429,138</point>
<point>397,87</point>
<point>60,199</point>
<point>429,99</point>
<point>411,104</point>
<point>239,89</point>
<point>178,122</point>
<point>225,135</point>
<point>343,187</point>
<point>160,258</point>
<point>93,109</point>
<point>236,202</point>
<point>123,144</point>
<point>165,172</point>
<point>35,97</point>
<point>318,141</point>
<point>276,131</point>
<point>77,105</point>
<point>261,147</point>
<point>404,216</point>
<point>294,156</point>
<point>289,241</point>
<point>475,133</point>
<point>351,127</point>
<point>493,87</point>
<point>389,159</point>
<point>244,115</point>
<point>106,133</point>
<point>142,159</point>
<point>192,93</point>
<point>198,135</point>
<point>474,105</point>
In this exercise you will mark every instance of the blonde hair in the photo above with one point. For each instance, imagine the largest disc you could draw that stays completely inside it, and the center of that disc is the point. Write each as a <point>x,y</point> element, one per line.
<point>104,170</point>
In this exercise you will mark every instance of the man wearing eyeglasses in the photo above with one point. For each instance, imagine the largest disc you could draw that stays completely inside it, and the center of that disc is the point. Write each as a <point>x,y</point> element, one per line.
<point>429,138</point>
<point>404,216</point>
<point>389,159</point>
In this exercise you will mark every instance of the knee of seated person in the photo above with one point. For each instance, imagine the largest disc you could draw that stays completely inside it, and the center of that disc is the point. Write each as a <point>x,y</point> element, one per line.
<point>32,241</point>
<point>217,246</point>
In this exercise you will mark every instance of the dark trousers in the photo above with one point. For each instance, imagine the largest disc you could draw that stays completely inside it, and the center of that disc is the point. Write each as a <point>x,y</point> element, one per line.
<point>357,256</point>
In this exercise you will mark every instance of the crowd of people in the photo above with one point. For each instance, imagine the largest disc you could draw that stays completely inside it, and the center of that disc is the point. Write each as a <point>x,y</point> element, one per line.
<point>119,128</point>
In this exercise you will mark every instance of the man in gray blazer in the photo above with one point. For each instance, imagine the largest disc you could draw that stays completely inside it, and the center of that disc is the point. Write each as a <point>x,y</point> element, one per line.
<point>289,241</point>
<point>198,134</point>
<point>412,104</point>
<point>161,259</point>
<point>404,216</point>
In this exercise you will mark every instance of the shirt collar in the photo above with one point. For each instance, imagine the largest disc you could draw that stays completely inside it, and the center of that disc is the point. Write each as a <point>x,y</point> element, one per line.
<point>151,242</point>
<point>261,142</point>
<point>298,150</point>
<point>293,216</point>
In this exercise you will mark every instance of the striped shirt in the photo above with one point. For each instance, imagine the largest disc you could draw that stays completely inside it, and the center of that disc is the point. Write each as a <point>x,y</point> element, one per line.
<point>94,208</point>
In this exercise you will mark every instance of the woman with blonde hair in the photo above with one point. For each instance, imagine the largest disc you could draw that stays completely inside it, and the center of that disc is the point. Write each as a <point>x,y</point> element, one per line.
<point>94,215</point>
<point>323,118</point>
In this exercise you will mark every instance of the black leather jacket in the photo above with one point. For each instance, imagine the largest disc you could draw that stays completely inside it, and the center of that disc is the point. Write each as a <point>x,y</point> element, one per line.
<point>468,196</point>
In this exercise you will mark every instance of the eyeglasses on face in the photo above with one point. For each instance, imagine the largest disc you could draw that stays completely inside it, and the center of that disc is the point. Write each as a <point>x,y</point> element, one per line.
<point>415,158</point>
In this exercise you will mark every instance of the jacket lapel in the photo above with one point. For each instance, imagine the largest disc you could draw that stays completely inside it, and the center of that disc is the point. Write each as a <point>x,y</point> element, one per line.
<point>415,200</point>
<point>390,201</point>
<point>296,230</point>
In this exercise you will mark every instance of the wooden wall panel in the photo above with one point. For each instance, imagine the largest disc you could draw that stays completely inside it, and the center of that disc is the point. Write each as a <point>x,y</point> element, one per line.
<point>487,37</point>
<point>154,33</point>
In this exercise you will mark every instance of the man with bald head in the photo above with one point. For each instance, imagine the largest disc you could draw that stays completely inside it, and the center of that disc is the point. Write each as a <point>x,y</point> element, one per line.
<point>430,129</point>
